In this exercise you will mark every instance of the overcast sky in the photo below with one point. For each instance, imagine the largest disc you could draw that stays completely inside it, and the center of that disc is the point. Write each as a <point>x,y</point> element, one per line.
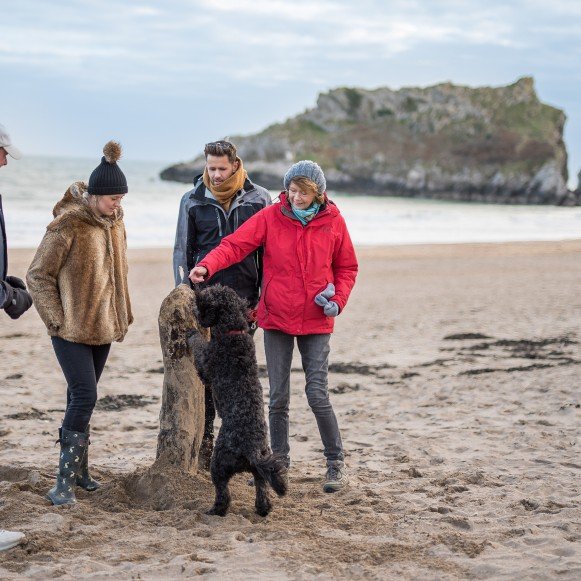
<point>166,77</point>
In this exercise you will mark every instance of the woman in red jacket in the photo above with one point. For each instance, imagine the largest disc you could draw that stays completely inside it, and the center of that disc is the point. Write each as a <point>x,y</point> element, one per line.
<point>309,269</point>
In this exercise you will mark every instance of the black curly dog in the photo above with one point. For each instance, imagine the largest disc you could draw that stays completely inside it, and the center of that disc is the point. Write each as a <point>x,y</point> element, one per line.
<point>227,363</point>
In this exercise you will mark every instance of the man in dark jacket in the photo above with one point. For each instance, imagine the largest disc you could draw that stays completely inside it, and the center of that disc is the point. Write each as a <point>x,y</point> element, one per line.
<point>223,199</point>
<point>14,298</point>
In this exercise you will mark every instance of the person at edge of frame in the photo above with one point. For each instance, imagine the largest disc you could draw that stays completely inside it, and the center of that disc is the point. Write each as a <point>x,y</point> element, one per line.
<point>14,298</point>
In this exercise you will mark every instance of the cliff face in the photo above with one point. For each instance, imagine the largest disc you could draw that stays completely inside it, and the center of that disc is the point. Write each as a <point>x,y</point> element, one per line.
<point>446,141</point>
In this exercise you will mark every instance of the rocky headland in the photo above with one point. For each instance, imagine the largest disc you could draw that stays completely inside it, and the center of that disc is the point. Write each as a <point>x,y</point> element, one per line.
<point>487,144</point>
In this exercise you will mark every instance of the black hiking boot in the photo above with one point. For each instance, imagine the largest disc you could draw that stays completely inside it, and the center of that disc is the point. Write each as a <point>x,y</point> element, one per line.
<point>73,447</point>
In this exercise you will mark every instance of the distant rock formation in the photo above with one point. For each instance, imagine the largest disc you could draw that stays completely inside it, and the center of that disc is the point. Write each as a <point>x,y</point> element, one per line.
<point>449,142</point>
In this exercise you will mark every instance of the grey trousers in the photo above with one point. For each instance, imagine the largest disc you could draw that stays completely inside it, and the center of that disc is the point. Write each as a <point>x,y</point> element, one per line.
<point>314,349</point>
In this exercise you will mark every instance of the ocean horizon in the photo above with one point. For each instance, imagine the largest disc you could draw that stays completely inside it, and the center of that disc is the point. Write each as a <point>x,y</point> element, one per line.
<point>30,188</point>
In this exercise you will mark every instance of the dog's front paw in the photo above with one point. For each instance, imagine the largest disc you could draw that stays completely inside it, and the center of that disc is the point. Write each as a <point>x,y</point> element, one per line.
<point>193,338</point>
<point>192,332</point>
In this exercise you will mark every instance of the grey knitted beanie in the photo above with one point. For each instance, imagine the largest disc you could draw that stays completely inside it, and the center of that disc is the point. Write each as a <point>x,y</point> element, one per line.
<point>308,169</point>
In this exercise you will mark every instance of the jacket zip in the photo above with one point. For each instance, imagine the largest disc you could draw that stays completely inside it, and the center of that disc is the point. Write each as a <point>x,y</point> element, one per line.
<point>219,221</point>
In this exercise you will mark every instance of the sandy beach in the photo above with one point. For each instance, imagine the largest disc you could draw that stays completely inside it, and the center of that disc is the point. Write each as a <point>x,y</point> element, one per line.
<point>455,379</point>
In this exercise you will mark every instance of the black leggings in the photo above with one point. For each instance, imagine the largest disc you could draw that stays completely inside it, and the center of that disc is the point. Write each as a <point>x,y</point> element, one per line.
<point>82,366</point>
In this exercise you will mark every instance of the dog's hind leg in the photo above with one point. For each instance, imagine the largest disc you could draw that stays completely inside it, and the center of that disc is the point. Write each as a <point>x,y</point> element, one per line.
<point>262,503</point>
<point>222,501</point>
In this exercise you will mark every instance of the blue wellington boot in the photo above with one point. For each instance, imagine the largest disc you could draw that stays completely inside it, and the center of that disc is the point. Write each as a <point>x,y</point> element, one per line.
<point>73,447</point>
<point>84,479</point>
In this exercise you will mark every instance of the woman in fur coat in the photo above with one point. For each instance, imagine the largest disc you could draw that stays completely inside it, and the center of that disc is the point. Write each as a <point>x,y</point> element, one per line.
<point>78,281</point>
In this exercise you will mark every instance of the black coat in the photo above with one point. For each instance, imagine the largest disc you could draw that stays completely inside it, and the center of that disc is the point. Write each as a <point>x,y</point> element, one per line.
<point>208,223</point>
<point>4,249</point>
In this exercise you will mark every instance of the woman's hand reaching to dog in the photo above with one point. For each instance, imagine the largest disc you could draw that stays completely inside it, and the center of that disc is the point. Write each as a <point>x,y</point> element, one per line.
<point>198,274</point>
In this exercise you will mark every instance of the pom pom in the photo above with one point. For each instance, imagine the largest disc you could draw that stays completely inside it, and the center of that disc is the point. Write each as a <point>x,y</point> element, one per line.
<point>112,151</point>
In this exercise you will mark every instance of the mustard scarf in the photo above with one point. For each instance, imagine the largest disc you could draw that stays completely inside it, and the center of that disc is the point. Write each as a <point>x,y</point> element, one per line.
<point>227,190</point>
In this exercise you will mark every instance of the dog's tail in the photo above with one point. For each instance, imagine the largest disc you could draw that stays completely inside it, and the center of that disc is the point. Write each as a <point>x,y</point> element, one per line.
<point>273,470</point>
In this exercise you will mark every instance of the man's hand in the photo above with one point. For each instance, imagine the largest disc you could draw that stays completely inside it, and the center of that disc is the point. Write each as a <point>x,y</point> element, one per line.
<point>15,282</point>
<point>18,301</point>
<point>198,274</point>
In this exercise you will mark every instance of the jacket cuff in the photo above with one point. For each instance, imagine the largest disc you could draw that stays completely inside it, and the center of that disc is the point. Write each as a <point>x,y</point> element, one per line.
<point>2,295</point>
<point>340,303</point>
<point>53,327</point>
<point>208,274</point>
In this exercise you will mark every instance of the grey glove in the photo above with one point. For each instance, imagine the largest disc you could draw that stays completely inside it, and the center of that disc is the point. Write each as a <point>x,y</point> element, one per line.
<point>323,297</point>
<point>330,308</point>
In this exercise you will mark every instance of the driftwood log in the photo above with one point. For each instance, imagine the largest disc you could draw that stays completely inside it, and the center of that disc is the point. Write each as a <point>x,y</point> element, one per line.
<point>182,408</point>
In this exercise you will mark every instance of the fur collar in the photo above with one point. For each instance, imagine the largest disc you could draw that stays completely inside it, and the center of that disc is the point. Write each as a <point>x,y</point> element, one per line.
<point>73,204</point>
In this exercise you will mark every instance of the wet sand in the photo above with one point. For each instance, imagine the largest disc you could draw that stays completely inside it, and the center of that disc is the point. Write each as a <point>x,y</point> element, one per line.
<point>455,379</point>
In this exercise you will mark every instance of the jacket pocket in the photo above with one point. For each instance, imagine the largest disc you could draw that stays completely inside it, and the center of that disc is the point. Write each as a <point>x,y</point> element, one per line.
<point>313,310</point>
<point>263,295</point>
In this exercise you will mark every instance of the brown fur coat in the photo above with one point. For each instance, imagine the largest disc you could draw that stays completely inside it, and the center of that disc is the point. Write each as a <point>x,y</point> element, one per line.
<point>78,277</point>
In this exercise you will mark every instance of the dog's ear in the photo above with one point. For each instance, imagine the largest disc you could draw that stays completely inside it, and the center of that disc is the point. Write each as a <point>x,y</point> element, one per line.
<point>206,310</point>
<point>208,315</point>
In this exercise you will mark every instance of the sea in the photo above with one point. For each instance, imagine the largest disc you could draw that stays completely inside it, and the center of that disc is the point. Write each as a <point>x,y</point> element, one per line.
<point>31,187</point>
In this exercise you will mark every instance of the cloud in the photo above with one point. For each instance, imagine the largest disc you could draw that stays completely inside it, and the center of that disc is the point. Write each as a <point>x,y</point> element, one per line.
<point>298,11</point>
<point>201,68</point>
<point>154,45</point>
<point>145,11</point>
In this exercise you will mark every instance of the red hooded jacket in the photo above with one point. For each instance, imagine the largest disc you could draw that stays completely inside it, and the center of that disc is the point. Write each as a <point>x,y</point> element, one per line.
<point>299,261</point>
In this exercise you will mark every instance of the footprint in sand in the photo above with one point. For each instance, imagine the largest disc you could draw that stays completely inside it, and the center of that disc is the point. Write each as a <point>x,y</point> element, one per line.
<point>458,522</point>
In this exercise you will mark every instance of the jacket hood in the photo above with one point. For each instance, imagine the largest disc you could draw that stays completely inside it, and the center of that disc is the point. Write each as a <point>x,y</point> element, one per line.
<point>74,204</point>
